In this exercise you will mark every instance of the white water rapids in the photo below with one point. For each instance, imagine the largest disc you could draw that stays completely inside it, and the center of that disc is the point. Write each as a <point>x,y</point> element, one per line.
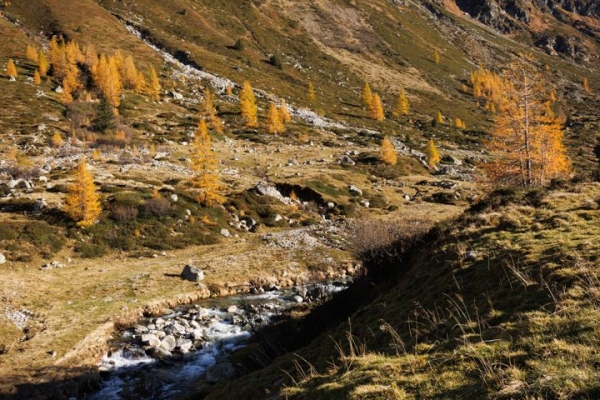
<point>131,373</point>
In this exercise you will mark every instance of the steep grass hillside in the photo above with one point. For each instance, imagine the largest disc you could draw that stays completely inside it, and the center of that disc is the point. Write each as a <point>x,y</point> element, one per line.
<point>501,303</point>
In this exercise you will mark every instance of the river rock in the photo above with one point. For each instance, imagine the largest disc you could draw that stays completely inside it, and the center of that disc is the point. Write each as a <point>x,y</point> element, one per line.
<point>191,273</point>
<point>168,343</point>
<point>160,354</point>
<point>184,345</point>
<point>220,372</point>
<point>197,334</point>
<point>151,340</point>
<point>298,299</point>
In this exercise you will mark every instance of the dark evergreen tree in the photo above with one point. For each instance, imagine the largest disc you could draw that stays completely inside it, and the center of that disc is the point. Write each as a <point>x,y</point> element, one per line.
<point>105,116</point>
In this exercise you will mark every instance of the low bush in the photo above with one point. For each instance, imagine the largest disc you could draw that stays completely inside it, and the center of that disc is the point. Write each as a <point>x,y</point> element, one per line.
<point>90,250</point>
<point>43,235</point>
<point>160,207</point>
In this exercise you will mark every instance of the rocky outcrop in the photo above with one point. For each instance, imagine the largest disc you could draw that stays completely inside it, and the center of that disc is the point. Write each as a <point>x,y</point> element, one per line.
<point>519,16</point>
<point>191,273</point>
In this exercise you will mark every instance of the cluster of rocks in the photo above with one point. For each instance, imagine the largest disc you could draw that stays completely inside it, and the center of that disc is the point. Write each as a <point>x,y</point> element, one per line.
<point>52,265</point>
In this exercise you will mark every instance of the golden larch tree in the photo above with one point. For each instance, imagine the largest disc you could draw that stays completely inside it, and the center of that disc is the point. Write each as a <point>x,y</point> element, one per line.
<point>376,108</point>
<point>284,112</point>
<point>111,85</point>
<point>129,74</point>
<point>31,53</point>
<point>140,83</point>
<point>585,84</point>
<point>11,69</point>
<point>274,122</point>
<point>403,106</point>
<point>83,202</point>
<point>205,166</point>
<point>439,118</point>
<point>432,153</point>
<point>210,112</point>
<point>56,140</point>
<point>58,58</point>
<point>43,63</point>
<point>154,87</point>
<point>248,105</point>
<point>527,139</point>
<point>387,153</point>
<point>366,95</point>
<point>37,79</point>
<point>312,97</point>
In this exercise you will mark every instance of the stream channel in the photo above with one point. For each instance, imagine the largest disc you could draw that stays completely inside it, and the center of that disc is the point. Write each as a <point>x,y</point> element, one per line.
<point>163,357</point>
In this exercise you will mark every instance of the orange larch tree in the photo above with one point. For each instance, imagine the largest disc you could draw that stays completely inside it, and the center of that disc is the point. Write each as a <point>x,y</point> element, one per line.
<point>205,166</point>
<point>527,139</point>
<point>387,153</point>
<point>403,106</point>
<point>83,202</point>
<point>274,120</point>
<point>366,95</point>
<point>11,69</point>
<point>376,108</point>
<point>248,105</point>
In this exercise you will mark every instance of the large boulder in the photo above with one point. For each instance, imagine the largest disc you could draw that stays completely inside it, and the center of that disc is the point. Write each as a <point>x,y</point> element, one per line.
<point>168,343</point>
<point>191,273</point>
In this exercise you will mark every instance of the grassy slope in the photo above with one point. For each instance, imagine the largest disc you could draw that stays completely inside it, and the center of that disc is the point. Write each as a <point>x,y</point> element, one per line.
<point>516,320</point>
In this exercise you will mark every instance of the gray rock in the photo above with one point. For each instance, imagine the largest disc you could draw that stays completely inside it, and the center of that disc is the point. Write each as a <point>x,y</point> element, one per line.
<point>191,273</point>
<point>197,334</point>
<point>168,343</point>
<point>347,161</point>
<point>58,89</point>
<point>220,372</point>
<point>265,189</point>
<point>355,190</point>
<point>471,255</point>
<point>176,95</point>
<point>277,218</point>
<point>2,259</point>
<point>160,353</point>
<point>52,265</point>
<point>225,232</point>
<point>174,198</point>
<point>298,299</point>
<point>151,340</point>
<point>365,203</point>
<point>184,345</point>
<point>39,205</point>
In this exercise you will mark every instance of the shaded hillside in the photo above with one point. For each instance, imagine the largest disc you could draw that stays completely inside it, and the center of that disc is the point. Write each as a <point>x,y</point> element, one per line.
<point>499,304</point>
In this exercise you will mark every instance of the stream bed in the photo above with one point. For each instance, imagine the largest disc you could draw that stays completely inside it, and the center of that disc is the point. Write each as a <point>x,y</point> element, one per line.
<point>163,357</point>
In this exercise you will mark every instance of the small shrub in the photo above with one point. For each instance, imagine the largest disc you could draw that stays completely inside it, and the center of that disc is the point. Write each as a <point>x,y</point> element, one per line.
<point>42,234</point>
<point>90,250</point>
<point>160,207</point>
<point>124,213</point>
<point>239,45</point>
<point>7,232</point>
<point>275,61</point>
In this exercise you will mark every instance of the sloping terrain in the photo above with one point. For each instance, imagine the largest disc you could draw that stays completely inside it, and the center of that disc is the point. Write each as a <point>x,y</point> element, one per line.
<point>325,166</point>
<point>501,303</point>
